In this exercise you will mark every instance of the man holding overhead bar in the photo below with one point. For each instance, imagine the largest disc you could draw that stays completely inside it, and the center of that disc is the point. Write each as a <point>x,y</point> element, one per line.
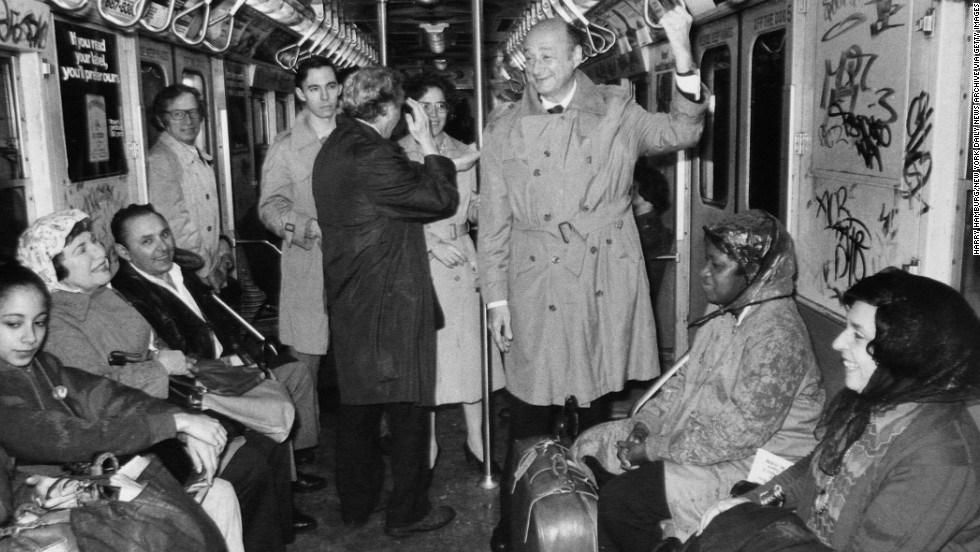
<point>560,260</point>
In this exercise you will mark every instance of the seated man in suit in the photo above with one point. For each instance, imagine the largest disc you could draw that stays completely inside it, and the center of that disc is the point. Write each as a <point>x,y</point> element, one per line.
<point>159,280</point>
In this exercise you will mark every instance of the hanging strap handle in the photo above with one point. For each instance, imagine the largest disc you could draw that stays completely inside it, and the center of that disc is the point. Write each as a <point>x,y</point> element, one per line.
<point>166,23</point>
<point>123,21</point>
<point>205,7</point>
<point>230,17</point>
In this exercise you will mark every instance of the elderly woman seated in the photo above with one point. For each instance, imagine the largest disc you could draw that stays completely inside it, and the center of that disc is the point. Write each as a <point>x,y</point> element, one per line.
<point>53,415</point>
<point>89,320</point>
<point>898,464</point>
<point>751,382</point>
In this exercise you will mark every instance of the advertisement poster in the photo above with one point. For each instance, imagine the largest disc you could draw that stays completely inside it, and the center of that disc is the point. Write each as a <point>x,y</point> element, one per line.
<point>88,70</point>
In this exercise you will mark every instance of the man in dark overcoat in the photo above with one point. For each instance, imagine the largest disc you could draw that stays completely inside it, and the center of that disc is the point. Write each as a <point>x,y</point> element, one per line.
<point>372,202</point>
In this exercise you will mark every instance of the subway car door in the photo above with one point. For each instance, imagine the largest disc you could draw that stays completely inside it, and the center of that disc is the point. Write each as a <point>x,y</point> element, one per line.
<point>713,175</point>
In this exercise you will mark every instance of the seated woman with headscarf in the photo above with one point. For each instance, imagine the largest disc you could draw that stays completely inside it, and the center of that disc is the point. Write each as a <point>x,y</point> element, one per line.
<point>898,464</point>
<point>90,320</point>
<point>752,382</point>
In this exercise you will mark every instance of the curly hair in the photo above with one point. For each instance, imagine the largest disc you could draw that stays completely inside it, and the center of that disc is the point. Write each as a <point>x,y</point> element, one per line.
<point>926,348</point>
<point>367,91</point>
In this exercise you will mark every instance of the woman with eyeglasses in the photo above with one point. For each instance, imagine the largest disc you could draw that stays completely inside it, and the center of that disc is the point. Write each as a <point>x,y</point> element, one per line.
<point>181,181</point>
<point>452,260</point>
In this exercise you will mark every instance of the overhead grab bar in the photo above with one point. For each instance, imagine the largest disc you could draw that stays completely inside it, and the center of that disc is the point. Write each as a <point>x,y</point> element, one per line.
<point>560,10</point>
<point>129,20</point>
<point>288,57</point>
<point>230,16</point>
<point>166,22</point>
<point>204,5</point>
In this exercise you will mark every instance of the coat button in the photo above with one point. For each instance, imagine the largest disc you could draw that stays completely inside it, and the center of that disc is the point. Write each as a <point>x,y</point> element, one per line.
<point>552,308</point>
<point>532,257</point>
<point>594,249</point>
<point>598,293</point>
<point>554,260</point>
<point>547,217</point>
<point>547,153</point>
<point>207,196</point>
<point>588,159</point>
<point>209,228</point>
<point>585,207</point>
<point>537,172</point>
<point>608,240</point>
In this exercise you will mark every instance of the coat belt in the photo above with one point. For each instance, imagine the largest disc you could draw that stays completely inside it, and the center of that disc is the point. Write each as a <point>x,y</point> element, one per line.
<point>451,232</point>
<point>573,233</point>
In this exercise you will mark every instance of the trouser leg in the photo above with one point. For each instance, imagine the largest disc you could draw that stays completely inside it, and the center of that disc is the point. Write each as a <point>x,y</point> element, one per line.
<point>295,377</point>
<point>312,363</point>
<point>360,466</point>
<point>631,507</point>
<point>259,471</point>
<point>409,464</point>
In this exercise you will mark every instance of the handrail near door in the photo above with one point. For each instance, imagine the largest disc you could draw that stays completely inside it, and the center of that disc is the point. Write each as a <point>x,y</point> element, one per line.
<point>288,60</point>
<point>205,7</point>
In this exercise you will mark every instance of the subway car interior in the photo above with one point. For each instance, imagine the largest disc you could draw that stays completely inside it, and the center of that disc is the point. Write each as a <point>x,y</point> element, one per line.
<point>847,120</point>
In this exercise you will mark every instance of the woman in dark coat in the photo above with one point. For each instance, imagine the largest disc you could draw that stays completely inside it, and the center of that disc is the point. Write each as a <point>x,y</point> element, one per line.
<point>372,202</point>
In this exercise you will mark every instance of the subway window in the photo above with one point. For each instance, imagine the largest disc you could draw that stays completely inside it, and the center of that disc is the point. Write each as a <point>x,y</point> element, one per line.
<point>766,121</point>
<point>716,72</point>
<point>153,79</point>
<point>13,202</point>
<point>282,113</point>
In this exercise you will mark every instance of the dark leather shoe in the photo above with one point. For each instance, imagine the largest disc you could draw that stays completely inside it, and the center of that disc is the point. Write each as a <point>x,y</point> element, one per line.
<point>302,522</point>
<point>437,518</point>
<point>500,539</point>
<point>308,483</point>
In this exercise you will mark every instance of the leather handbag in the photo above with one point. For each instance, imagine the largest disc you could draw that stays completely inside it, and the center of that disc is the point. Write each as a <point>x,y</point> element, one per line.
<point>266,408</point>
<point>554,503</point>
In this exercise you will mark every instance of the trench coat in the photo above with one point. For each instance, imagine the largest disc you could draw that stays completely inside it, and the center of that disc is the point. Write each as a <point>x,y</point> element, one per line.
<point>183,190</point>
<point>286,198</point>
<point>558,241</point>
<point>459,355</point>
<point>372,202</point>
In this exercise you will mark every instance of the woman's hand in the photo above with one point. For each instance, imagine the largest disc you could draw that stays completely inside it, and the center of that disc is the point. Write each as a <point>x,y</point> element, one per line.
<point>418,127</point>
<point>466,161</point>
<point>201,427</point>
<point>722,505</point>
<point>632,452</point>
<point>174,362</point>
<point>205,457</point>
<point>448,254</point>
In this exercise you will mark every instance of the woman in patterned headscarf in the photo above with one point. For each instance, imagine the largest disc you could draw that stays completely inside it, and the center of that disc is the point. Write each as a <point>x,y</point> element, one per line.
<point>87,315</point>
<point>751,382</point>
<point>898,464</point>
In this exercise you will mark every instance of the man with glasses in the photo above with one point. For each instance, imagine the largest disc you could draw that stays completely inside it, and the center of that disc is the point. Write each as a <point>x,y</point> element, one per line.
<point>181,181</point>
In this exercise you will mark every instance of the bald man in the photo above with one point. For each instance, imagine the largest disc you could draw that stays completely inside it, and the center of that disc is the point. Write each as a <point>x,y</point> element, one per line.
<point>560,259</point>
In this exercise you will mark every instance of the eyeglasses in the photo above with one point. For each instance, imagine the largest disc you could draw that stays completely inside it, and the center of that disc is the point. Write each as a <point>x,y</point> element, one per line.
<point>438,107</point>
<point>180,114</point>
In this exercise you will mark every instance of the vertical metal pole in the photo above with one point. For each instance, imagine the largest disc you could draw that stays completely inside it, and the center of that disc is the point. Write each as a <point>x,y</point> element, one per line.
<point>383,32</point>
<point>486,480</point>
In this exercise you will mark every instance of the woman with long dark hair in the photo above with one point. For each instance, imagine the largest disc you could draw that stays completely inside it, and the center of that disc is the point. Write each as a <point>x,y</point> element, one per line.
<point>898,464</point>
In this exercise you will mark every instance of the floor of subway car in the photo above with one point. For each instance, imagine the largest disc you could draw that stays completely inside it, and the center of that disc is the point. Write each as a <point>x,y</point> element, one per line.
<point>455,482</point>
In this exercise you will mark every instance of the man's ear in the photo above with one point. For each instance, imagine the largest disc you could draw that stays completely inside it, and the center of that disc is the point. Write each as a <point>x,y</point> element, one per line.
<point>122,251</point>
<point>577,55</point>
<point>300,95</point>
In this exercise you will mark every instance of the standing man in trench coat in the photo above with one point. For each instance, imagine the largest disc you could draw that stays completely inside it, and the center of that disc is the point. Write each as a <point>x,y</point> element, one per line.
<point>560,259</point>
<point>372,203</point>
<point>286,208</point>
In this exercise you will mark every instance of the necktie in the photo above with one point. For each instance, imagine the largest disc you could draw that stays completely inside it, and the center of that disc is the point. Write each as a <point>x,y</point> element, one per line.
<point>556,109</point>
